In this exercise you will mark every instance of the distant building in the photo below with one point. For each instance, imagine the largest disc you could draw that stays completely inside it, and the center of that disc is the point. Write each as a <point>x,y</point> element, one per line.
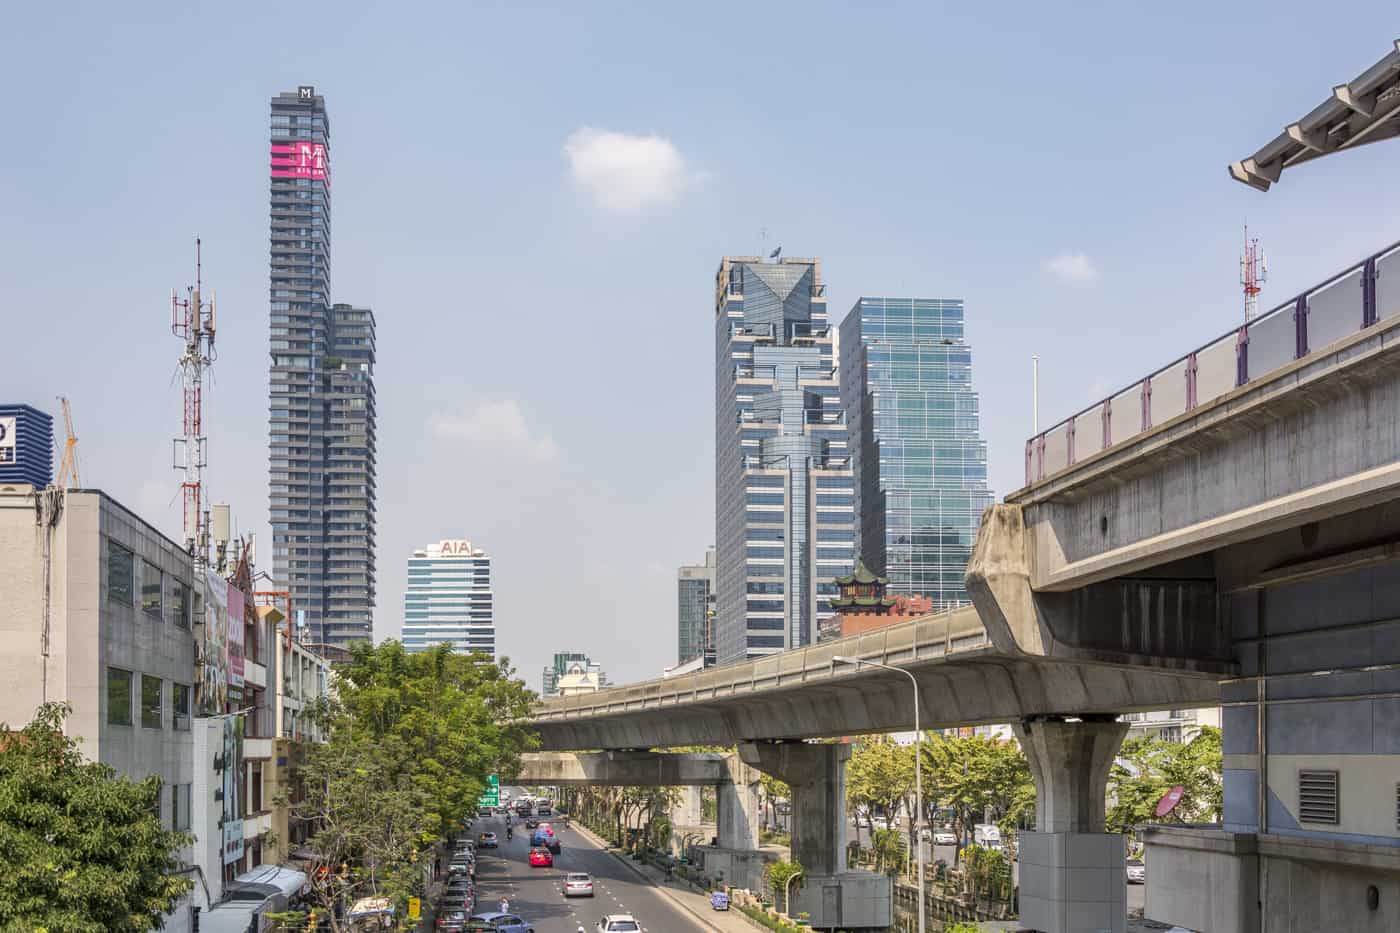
<point>920,462</point>
<point>695,590</point>
<point>26,446</point>
<point>1173,725</point>
<point>863,603</point>
<point>784,507</point>
<point>572,664</point>
<point>577,678</point>
<point>696,663</point>
<point>449,599</point>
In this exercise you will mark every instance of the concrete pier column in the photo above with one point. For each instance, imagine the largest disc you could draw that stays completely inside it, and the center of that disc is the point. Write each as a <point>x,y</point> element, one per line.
<point>817,776</point>
<point>737,806</point>
<point>688,811</point>
<point>1072,872</point>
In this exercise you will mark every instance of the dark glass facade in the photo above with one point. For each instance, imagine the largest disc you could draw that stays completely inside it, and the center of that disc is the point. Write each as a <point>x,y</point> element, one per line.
<point>321,406</point>
<point>695,599</point>
<point>784,521</point>
<point>919,459</point>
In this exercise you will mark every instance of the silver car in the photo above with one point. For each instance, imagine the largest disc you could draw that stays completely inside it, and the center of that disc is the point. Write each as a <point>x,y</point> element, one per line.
<point>1137,871</point>
<point>578,884</point>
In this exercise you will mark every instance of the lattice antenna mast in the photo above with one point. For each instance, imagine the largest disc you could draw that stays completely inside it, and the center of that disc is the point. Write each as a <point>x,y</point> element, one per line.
<point>1254,271</point>
<point>193,321</point>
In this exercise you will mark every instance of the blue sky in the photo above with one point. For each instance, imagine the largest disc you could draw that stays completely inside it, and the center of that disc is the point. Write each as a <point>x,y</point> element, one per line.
<point>534,199</point>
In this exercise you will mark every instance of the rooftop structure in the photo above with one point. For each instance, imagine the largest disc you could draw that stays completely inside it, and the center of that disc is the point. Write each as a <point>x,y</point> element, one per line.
<point>449,600</point>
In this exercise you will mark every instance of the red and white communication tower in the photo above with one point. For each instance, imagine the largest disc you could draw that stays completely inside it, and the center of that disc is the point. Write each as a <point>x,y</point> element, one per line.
<point>193,322</point>
<point>1254,270</point>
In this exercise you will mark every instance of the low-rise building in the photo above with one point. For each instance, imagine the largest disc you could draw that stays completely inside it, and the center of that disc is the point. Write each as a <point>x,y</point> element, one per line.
<point>564,663</point>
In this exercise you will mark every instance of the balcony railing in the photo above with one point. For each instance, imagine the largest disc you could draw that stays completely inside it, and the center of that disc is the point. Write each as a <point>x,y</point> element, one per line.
<point>1344,304</point>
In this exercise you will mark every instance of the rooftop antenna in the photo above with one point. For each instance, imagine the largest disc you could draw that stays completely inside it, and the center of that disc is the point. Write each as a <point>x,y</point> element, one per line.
<point>193,321</point>
<point>1254,271</point>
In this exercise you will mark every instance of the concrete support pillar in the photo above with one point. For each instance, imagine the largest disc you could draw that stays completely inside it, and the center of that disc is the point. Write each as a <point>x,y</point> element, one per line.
<point>1072,873</point>
<point>688,811</point>
<point>737,807</point>
<point>817,776</point>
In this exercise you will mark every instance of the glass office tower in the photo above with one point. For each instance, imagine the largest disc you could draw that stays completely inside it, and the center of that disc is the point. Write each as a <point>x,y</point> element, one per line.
<point>695,600</point>
<point>321,410</point>
<point>784,512</point>
<point>919,459</point>
<point>449,599</point>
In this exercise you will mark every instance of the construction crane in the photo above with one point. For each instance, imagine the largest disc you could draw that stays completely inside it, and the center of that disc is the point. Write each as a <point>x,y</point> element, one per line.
<point>69,463</point>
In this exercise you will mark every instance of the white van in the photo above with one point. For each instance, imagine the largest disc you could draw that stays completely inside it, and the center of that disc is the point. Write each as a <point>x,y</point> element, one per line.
<point>987,836</point>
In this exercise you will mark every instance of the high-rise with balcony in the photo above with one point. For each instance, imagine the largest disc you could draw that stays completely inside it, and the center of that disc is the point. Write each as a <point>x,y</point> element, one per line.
<point>449,599</point>
<point>321,410</point>
<point>920,462</point>
<point>784,502</point>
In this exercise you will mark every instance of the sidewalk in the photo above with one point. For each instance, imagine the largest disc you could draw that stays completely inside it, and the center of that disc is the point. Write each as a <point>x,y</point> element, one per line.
<point>680,893</point>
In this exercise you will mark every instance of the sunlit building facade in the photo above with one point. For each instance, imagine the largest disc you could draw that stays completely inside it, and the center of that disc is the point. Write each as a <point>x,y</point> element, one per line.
<point>784,506</point>
<point>919,458</point>
<point>449,600</point>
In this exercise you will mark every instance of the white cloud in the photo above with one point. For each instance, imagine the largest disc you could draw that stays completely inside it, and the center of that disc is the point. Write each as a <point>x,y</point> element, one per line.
<point>1075,268</point>
<point>498,427</point>
<point>626,174</point>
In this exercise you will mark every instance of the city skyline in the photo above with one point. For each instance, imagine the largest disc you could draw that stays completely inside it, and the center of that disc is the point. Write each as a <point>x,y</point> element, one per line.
<point>1081,264</point>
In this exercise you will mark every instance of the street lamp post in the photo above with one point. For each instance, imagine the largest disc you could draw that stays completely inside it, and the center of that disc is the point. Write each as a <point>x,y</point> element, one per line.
<point>918,774</point>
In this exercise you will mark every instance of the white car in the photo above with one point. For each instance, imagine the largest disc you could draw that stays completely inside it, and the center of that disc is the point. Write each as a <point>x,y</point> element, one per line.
<point>619,923</point>
<point>578,884</point>
<point>1137,871</point>
<point>944,838</point>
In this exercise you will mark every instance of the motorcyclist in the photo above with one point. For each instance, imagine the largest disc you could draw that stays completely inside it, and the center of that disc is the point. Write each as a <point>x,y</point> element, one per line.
<point>510,833</point>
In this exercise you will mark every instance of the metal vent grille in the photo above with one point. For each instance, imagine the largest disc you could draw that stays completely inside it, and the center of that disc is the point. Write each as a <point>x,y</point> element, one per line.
<point>1317,797</point>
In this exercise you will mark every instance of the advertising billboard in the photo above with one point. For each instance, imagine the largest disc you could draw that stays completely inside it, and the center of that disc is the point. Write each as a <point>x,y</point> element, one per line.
<point>235,638</point>
<point>299,160</point>
<point>213,661</point>
<point>7,440</point>
<point>231,818</point>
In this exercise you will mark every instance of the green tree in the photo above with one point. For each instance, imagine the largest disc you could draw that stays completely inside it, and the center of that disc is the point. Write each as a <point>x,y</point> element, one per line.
<point>879,776</point>
<point>83,850</point>
<point>888,846</point>
<point>1148,767</point>
<point>976,774</point>
<point>771,790</point>
<point>777,874</point>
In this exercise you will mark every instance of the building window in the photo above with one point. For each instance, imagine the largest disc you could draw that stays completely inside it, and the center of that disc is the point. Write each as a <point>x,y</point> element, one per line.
<point>177,603</point>
<point>180,706</point>
<point>121,569</point>
<point>150,588</point>
<point>118,696</point>
<point>255,788</point>
<point>179,806</point>
<point>152,712</point>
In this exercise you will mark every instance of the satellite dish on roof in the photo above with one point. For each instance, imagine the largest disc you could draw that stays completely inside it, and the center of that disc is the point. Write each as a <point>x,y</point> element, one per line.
<point>1169,800</point>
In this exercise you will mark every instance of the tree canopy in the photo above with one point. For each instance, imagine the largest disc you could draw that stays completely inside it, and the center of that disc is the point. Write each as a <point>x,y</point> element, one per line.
<point>83,849</point>
<point>1148,767</point>
<point>879,776</point>
<point>975,774</point>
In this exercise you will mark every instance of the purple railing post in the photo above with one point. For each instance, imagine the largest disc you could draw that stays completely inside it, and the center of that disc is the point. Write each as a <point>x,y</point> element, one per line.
<point>1300,328</point>
<point>1191,382</point>
<point>1369,314</point>
<point>1107,423</point>
<point>1069,442</point>
<point>1147,403</point>
<point>1242,356</point>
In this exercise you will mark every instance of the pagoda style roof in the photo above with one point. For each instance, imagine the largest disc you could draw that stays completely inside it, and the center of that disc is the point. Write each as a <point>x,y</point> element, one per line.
<point>861,574</point>
<point>884,601</point>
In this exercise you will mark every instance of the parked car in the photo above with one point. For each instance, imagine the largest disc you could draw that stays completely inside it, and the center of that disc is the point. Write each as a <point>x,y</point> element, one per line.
<point>451,921</point>
<point>487,841</point>
<point>456,900</point>
<point>578,884</point>
<point>619,923</point>
<point>505,923</point>
<point>460,866</point>
<point>944,838</point>
<point>484,812</point>
<point>719,900</point>
<point>1137,871</point>
<point>540,857</point>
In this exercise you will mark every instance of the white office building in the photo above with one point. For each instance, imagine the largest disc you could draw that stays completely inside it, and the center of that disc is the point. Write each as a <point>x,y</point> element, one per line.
<point>449,599</point>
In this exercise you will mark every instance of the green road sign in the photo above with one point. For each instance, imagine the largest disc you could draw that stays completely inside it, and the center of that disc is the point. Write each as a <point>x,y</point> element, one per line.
<point>492,797</point>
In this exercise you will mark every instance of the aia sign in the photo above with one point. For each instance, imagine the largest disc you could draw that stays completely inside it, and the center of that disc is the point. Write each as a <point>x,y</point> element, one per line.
<point>455,547</point>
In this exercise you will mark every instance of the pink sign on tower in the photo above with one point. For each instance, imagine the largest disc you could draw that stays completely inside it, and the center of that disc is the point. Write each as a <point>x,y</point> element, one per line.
<point>299,160</point>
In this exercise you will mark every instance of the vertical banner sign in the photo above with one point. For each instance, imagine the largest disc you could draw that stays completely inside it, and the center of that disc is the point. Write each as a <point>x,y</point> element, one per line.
<point>235,639</point>
<point>7,440</point>
<point>213,667</point>
<point>232,815</point>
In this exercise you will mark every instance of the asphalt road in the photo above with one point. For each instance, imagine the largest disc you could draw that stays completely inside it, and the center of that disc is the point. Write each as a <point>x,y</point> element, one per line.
<point>537,893</point>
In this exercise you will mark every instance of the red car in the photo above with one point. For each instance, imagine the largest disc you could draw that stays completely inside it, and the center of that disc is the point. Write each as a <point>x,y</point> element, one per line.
<point>540,858</point>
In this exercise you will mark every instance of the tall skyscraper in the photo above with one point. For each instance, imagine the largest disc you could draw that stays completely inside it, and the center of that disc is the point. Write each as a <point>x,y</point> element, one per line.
<point>920,461</point>
<point>321,412</point>
<point>449,599</point>
<point>784,509</point>
<point>695,591</point>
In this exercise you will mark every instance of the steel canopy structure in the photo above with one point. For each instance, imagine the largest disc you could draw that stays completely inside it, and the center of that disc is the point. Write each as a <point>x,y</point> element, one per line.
<point>1363,110</point>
